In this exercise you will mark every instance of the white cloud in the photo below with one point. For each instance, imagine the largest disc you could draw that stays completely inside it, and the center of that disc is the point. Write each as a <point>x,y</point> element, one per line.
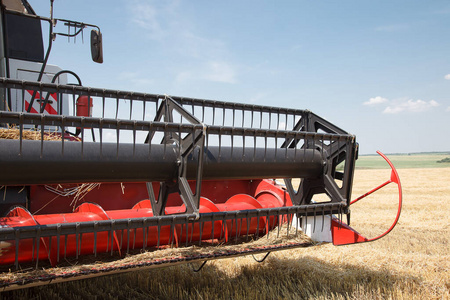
<point>448,109</point>
<point>220,72</point>
<point>136,80</point>
<point>258,97</point>
<point>215,71</point>
<point>204,58</point>
<point>401,105</point>
<point>409,105</point>
<point>152,17</point>
<point>447,76</point>
<point>376,100</point>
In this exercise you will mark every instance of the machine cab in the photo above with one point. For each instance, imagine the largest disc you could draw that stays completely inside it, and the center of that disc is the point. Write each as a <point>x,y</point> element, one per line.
<point>22,57</point>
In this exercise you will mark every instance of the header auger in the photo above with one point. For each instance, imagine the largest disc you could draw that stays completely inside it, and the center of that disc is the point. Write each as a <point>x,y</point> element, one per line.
<point>112,172</point>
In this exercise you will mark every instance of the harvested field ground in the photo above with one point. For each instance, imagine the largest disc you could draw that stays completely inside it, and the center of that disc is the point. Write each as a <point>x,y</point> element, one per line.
<point>412,262</point>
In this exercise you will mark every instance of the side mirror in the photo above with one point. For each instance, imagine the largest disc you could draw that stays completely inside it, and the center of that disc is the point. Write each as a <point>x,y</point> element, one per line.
<point>96,46</point>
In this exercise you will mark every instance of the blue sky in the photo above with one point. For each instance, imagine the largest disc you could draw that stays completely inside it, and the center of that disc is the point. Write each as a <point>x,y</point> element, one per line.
<point>377,69</point>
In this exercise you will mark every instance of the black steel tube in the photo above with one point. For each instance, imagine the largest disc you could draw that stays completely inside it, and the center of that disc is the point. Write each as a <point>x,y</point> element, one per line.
<point>35,162</point>
<point>260,163</point>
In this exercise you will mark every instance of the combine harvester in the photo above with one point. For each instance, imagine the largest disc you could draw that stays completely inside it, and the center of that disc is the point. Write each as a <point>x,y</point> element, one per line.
<point>111,172</point>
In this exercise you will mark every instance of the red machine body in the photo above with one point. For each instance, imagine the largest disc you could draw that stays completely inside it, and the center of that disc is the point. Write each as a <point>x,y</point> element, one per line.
<point>84,106</point>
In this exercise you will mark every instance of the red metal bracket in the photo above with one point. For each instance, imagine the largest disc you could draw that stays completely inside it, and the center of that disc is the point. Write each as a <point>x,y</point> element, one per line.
<point>344,235</point>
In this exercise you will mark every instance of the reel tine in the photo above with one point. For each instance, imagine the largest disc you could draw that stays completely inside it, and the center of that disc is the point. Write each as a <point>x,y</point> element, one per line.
<point>200,225</point>
<point>81,238</point>
<point>159,231</point>
<point>254,142</point>
<point>276,146</point>
<point>181,232</point>
<point>212,230</point>
<point>144,233</point>
<point>49,247</point>
<point>121,238</point>
<point>192,233</point>
<point>288,217</point>
<point>243,144</point>
<point>16,258</point>
<point>238,227</point>
<point>187,231</point>
<point>222,231</point>
<point>128,237</point>
<point>172,235</point>
<point>274,223</point>
<point>221,228</point>
<point>248,228</point>
<point>107,243</point>
<point>38,239</point>
<point>257,225</point>
<point>268,225</point>
<point>111,237</point>
<point>77,238</point>
<point>147,229</point>
<point>265,146</point>
<point>294,224</point>
<point>220,145</point>
<point>288,220</point>
<point>95,240</point>
<point>279,224</point>
<point>314,227</point>
<point>58,236</point>
<point>232,223</point>
<point>323,217</point>
<point>134,237</point>
<point>232,142</point>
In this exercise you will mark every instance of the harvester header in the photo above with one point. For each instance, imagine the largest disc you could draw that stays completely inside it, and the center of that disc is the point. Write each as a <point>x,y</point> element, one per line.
<point>89,171</point>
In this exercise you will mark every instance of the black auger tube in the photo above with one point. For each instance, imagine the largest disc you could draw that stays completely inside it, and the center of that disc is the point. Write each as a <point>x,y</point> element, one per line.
<point>35,162</point>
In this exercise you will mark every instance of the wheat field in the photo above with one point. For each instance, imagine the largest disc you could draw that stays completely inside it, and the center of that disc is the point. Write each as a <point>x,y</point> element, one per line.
<point>412,262</point>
